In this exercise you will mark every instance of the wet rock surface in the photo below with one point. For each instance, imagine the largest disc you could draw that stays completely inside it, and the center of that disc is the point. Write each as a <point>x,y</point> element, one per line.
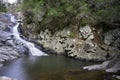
<point>8,49</point>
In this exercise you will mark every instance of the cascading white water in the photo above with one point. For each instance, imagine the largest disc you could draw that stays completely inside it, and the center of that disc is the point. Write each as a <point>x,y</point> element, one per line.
<point>32,49</point>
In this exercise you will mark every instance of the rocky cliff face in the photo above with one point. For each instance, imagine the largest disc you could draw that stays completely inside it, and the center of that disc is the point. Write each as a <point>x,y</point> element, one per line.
<point>83,47</point>
<point>91,44</point>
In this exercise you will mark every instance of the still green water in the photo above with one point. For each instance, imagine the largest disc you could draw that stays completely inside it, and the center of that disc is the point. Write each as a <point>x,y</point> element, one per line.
<point>49,68</point>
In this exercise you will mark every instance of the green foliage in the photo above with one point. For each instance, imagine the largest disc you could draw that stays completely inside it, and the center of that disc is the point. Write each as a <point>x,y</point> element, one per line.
<point>33,5</point>
<point>53,12</point>
<point>107,11</point>
<point>72,34</point>
<point>59,14</point>
<point>2,8</point>
<point>29,17</point>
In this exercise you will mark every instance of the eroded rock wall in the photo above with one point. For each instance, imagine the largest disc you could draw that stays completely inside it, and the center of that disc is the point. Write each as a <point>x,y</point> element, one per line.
<point>83,47</point>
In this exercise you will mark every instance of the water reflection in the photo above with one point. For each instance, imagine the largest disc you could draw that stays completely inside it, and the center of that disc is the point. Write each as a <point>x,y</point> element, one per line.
<point>28,68</point>
<point>14,70</point>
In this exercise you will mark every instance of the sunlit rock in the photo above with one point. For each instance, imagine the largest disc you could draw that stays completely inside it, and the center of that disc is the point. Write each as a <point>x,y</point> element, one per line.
<point>86,32</point>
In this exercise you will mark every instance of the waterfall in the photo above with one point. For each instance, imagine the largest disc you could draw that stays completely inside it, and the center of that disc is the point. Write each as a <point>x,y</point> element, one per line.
<point>32,49</point>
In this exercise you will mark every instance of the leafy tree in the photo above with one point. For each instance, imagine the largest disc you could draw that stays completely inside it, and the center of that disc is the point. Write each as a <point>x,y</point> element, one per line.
<point>59,14</point>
